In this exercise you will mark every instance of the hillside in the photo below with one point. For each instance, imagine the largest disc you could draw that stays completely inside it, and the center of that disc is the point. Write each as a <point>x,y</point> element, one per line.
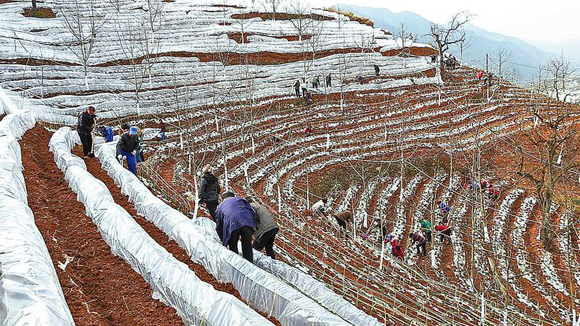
<point>525,58</point>
<point>118,249</point>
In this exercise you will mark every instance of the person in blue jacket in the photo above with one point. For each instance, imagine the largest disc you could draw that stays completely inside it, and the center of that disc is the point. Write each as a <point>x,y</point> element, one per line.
<point>107,133</point>
<point>235,220</point>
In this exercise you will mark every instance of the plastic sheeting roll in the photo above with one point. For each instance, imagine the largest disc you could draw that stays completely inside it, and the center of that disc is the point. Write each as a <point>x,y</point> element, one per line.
<point>197,302</point>
<point>261,289</point>
<point>30,293</point>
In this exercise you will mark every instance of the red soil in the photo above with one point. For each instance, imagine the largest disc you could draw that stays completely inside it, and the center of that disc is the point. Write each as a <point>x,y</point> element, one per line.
<point>279,16</point>
<point>414,51</point>
<point>100,288</point>
<point>94,167</point>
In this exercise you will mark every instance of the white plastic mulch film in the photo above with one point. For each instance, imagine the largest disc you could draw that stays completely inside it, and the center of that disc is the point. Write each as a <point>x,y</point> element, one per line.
<point>30,293</point>
<point>312,304</point>
<point>197,302</point>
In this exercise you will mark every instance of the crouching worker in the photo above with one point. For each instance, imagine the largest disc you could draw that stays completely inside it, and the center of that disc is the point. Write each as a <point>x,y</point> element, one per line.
<point>444,233</point>
<point>128,145</point>
<point>342,218</point>
<point>396,250</point>
<point>107,133</point>
<point>235,221</point>
<point>266,229</point>
<point>419,242</point>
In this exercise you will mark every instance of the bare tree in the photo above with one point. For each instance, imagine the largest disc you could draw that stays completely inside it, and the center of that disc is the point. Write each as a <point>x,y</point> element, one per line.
<point>559,75</point>
<point>404,34</point>
<point>554,143</point>
<point>84,25</point>
<point>301,20</point>
<point>272,6</point>
<point>140,52</point>
<point>451,34</point>
<point>502,56</point>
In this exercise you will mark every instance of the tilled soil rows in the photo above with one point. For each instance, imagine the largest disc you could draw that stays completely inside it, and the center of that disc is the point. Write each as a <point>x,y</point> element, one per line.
<point>94,167</point>
<point>100,288</point>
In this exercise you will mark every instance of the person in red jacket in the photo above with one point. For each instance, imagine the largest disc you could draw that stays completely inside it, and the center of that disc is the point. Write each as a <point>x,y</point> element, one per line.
<point>444,232</point>
<point>419,242</point>
<point>396,250</point>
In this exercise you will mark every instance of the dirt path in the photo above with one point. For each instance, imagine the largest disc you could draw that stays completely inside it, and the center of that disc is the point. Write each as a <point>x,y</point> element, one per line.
<point>100,288</point>
<point>94,167</point>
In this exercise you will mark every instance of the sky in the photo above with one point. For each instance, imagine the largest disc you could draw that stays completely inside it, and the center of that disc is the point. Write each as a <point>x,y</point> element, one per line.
<point>554,21</point>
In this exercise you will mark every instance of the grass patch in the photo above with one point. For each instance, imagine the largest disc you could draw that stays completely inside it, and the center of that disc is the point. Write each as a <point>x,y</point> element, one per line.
<point>353,17</point>
<point>39,12</point>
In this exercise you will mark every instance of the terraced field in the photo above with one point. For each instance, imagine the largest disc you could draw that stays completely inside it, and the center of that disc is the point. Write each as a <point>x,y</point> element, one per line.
<point>387,148</point>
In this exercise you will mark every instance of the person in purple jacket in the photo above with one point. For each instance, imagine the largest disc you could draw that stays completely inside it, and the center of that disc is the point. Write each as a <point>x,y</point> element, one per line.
<point>234,220</point>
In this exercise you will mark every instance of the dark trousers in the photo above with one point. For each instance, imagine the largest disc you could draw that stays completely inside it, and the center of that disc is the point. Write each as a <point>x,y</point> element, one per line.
<point>245,233</point>
<point>428,236</point>
<point>445,235</point>
<point>267,241</point>
<point>341,223</point>
<point>87,142</point>
<point>211,207</point>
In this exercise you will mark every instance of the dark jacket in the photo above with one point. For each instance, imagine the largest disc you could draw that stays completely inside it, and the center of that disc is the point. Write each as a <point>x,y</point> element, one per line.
<point>128,142</point>
<point>264,221</point>
<point>86,122</point>
<point>233,214</point>
<point>209,189</point>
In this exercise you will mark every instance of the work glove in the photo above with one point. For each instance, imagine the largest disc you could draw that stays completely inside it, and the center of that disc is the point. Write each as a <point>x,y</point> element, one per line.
<point>133,152</point>
<point>119,157</point>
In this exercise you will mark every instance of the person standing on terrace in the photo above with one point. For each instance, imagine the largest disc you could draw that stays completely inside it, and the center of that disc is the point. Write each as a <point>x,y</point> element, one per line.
<point>234,221</point>
<point>377,70</point>
<point>162,130</point>
<point>297,88</point>
<point>328,80</point>
<point>85,125</point>
<point>209,191</point>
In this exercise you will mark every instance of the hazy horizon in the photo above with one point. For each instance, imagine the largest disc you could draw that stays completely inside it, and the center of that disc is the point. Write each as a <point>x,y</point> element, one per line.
<point>556,17</point>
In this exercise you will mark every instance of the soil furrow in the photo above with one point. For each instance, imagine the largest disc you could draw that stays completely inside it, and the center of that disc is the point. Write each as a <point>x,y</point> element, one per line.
<point>100,288</point>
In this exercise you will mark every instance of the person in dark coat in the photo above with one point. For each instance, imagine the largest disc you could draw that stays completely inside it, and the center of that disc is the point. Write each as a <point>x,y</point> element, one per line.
<point>328,80</point>
<point>162,130</point>
<point>107,133</point>
<point>297,88</point>
<point>266,229</point>
<point>124,128</point>
<point>128,146</point>
<point>419,242</point>
<point>234,221</point>
<point>209,190</point>
<point>377,70</point>
<point>85,125</point>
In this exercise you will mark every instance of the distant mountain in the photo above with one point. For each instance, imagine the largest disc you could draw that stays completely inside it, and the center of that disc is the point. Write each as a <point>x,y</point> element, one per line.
<point>570,49</point>
<point>525,58</point>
